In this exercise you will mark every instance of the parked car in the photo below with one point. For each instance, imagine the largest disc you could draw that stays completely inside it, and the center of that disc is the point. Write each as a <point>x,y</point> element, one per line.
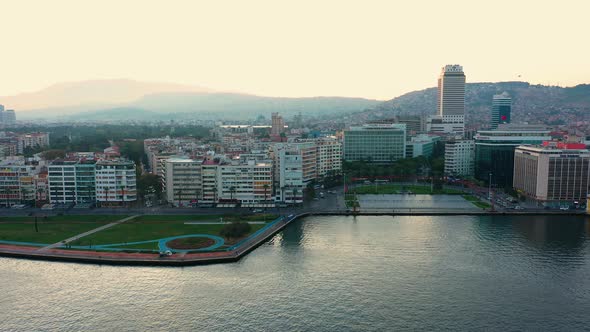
<point>518,207</point>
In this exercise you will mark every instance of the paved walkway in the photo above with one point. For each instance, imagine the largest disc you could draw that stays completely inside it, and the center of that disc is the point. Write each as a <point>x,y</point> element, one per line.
<point>92,231</point>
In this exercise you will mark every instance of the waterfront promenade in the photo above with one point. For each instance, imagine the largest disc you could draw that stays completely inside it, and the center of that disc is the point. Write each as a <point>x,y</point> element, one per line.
<point>332,204</point>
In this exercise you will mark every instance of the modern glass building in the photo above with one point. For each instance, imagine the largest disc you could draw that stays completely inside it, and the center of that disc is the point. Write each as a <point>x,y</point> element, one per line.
<point>494,150</point>
<point>377,143</point>
<point>501,109</point>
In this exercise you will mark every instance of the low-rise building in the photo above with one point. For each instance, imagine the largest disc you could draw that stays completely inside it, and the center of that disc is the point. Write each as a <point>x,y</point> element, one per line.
<point>421,145</point>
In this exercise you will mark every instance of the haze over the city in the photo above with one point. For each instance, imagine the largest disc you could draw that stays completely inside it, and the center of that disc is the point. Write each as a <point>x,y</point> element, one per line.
<point>374,49</point>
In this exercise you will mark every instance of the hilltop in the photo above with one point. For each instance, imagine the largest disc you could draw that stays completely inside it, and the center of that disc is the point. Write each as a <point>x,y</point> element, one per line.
<point>531,103</point>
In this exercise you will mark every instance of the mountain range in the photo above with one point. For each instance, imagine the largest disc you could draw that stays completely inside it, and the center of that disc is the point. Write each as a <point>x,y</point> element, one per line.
<point>100,100</point>
<point>128,99</point>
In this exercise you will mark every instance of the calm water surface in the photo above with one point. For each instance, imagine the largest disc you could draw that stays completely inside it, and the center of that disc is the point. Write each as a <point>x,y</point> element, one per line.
<point>331,274</point>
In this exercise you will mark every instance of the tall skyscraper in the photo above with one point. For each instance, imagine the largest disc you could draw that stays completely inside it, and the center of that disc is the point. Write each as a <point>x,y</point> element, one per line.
<point>451,98</point>
<point>7,117</point>
<point>501,108</point>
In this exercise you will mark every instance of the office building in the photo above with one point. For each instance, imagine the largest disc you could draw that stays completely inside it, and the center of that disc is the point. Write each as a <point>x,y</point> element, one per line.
<point>7,117</point>
<point>459,158</point>
<point>553,174</point>
<point>494,150</point>
<point>501,109</point>
<point>377,143</point>
<point>451,99</point>
<point>421,145</point>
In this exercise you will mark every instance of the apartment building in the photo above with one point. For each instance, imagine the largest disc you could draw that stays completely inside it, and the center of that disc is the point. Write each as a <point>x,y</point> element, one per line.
<point>116,183</point>
<point>182,181</point>
<point>72,181</point>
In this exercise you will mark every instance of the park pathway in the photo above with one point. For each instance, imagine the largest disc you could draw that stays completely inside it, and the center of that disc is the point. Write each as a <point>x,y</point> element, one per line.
<point>92,231</point>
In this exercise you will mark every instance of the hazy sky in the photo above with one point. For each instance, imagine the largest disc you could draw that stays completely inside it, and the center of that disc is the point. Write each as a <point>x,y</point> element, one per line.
<point>375,49</point>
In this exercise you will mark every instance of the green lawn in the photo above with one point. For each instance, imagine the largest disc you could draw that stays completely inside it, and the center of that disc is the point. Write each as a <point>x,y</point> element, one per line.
<point>146,228</point>
<point>475,201</point>
<point>57,228</point>
<point>51,229</point>
<point>385,189</point>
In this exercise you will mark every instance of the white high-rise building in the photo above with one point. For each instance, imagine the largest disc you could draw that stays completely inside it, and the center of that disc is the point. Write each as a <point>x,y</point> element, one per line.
<point>451,99</point>
<point>294,167</point>
<point>245,181</point>
<point>329,156</point>
<point>116,182</point>
<point>459,158</point>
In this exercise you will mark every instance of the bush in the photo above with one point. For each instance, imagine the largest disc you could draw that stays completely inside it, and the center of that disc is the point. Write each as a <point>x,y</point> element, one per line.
<point>235,230</point>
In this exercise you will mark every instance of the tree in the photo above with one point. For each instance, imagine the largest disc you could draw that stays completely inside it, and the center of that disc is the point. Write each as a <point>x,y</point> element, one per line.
<point>123,193</point>
<point>147,181</point>
<point>106,194</point>
<point>235,230</point>
<point>265,186</point>
<point>232,191</point>
<point>179,191</point>
<point>54,154</point>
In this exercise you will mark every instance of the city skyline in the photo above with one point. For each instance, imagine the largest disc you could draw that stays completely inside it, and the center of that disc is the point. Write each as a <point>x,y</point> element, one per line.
<point>378,51</point>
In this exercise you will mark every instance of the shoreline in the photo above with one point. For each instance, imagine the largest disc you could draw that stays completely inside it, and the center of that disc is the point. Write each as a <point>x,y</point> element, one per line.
<point>193,259</point>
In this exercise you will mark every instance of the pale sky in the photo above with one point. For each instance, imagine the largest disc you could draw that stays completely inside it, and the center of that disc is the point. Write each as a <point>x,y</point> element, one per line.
<point>373,49</point>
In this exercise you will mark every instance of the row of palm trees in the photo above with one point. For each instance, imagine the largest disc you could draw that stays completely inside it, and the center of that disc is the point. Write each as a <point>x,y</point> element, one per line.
<point>8,191</point>
<point>232,192</point>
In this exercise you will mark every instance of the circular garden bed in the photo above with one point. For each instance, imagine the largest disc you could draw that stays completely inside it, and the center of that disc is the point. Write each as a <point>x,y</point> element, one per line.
<point>188,243</point>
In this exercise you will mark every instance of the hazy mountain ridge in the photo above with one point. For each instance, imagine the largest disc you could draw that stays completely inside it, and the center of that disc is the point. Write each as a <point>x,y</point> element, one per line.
<point>223,105</point>
<point>129,100</point>
<point>91,94</point>
<point>531,103</point>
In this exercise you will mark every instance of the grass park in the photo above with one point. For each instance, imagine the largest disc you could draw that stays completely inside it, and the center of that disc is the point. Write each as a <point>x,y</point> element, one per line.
<point>389,189</point>
<point>51,229</point>
<point>143,228</point>
<point>476,201</point>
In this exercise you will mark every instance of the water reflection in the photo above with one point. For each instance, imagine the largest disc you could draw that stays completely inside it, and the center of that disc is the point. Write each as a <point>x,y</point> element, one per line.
<point>332,273</point>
